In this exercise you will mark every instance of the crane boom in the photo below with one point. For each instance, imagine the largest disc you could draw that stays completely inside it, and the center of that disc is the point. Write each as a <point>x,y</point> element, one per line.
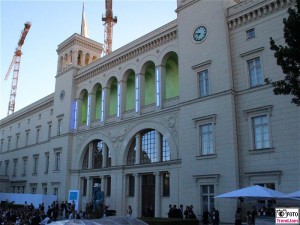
<point>16,63</point>
<point>109,21</point>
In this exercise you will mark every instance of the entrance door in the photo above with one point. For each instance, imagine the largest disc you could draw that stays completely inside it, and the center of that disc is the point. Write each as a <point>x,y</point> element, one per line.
<point>148,195</point>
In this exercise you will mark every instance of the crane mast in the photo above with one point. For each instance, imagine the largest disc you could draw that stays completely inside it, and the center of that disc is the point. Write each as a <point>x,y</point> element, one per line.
<point>109,21</point>
<point>16,60</point>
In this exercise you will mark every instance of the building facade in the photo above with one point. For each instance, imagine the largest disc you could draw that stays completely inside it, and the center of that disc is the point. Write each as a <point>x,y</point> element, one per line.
<point>177,116</point>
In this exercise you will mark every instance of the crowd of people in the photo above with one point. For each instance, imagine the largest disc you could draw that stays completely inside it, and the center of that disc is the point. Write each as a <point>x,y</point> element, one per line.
<point>180,212</point>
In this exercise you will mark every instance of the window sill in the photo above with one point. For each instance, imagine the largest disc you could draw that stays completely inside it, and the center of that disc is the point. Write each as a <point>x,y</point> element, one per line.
<point>262,150</point>
<point>56,171</point>
<point>210,156</point>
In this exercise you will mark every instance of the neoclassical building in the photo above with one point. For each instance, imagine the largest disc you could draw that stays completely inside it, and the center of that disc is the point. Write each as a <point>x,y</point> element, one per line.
<point>177,116</point>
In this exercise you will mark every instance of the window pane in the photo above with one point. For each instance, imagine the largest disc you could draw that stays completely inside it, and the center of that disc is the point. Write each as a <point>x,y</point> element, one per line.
<point>206,139</point>
<point>261,132</point>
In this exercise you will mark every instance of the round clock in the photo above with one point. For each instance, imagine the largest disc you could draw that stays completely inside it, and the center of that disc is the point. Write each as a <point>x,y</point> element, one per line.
<point>62,95</point>
<point>200,33</point>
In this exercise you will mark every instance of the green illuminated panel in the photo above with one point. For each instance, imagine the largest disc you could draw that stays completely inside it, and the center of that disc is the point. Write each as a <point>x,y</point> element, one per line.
<point>130,91</point>
<point>172,79</point>
<point>113,98</point>
<point>84,107</point>
<point>98,103</point>
<point>150,84</point>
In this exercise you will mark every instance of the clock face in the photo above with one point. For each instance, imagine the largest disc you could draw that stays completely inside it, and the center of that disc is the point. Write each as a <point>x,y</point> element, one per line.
<point>200,33</point>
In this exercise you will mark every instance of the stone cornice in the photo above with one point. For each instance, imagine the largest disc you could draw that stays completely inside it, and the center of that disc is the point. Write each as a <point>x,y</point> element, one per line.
<point>140,46</point>
<point>35,107</point>
<point>251,10</point>
<point>79,40</point>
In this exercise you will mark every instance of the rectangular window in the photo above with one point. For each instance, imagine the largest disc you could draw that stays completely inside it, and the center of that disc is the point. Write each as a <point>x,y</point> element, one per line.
<point>24,166</point>
<point>35,164</point>
<point>37,135</point>
<point>33,190</point>
<point>108,186</point>
<point>15,167</point>
<point>45,191</point>
<point>207,142</point>
<point>57,161</point>
<point>55,191</point>
<point>1,146</point>
<point>59,127</point>
<point>27,138</point>
<point>203,83</point>
<point>130,185</point>
<point>47,158</point>
<point>165,150</point>
<point>207,197</point>
<point>166,184</point>
<point>255,72</point>
<point>8,143</point>
<point>49,130</point>
<point>250,33</point>
<point>261,132</point>
<point>6,167</point>
<point>17,140</point>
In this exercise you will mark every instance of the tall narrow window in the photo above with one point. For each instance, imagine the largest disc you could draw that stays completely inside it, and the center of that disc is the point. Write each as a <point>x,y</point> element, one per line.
<point>261,132</point>
<point>59,127</point>
<point>165,150</point>
<point>27,138</point>
<point>37,135</point>
<point>8,143</point>
<point>57,160</point>
<point>49,129</point>
<point>55,191</point>
<point>24,166</point>
<point>130,185</point>
<point>157,87</point>
<point>148,154</point>
<point>119,99</point>
<point>203,83</point>
<point>84,186</point>
<point>255,72</point>
<point>108,186</point>
<point>6,167</point>
<point>166,184</point>
<point>15,167</point>
<point>207,195</point>
<point>35,164</point>
<point>17,140</point>
<point>207,146</point>
<point>1,145</point>
<point>47,160</point>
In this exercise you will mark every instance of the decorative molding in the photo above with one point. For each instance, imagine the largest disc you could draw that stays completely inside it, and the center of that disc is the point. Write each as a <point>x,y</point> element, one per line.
<point>252,52</point>
<point>253,10</point>
<point>130,54</point>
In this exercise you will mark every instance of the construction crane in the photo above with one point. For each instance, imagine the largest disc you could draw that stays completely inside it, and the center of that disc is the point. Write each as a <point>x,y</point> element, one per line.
<point>109,21</point>
<point>16,60</point>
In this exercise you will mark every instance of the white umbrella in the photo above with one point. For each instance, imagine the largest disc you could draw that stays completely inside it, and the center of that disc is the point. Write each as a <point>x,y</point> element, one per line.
<point>255,192</point>
<point>295,194</point>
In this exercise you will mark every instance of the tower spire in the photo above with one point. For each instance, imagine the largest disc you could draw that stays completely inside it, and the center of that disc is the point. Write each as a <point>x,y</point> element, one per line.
<point>84,28</point>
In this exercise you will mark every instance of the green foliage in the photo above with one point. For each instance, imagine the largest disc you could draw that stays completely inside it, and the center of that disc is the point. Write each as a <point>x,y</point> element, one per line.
<point>288,57</point>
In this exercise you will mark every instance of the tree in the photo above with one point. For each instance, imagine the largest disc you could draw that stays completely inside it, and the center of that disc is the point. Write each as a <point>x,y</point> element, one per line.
<point>288,57</point>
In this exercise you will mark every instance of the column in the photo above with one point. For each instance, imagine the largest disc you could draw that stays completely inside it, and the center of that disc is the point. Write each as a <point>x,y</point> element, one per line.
<point>92,107</point>
<point>105,153</point>
<point>91,150</point>
<point>139,92</point>
<point>158,146</point>
<point>160,86</point>
<point>104,101</point>
<point>79,109</point>
<point>103,182</point>
<point>121,98</point>
<point>88,190</point>
<point>137,204</point>
<point>88,114</point>
<point>157,194</point>
<point>138,149</point>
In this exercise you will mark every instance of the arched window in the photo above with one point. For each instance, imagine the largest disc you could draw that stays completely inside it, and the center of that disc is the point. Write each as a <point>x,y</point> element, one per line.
<point>113,97</point>
<point>131,154</point>
<point>85,163</point>
<point>172,78</point>
<point>97,154</point>
<point>150,141</point>
<point>130,91</point>
<point>79,58</point>
<point>150,84</point>
<point>84,107</point>
<point>87,58</point>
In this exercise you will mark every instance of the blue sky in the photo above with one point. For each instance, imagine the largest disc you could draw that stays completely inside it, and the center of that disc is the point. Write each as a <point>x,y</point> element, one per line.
<point>52,23</point>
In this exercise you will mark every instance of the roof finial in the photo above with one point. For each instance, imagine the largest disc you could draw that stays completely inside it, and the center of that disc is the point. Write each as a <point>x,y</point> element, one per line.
<point>84,28</point>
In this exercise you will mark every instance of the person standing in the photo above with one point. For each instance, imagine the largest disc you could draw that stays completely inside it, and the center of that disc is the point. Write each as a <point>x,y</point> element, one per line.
<point>129,211</point>
<point>238,216</point>
<point>215,216</point>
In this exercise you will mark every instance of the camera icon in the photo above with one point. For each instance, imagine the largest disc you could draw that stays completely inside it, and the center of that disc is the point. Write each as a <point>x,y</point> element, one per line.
<point>282,213</point>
